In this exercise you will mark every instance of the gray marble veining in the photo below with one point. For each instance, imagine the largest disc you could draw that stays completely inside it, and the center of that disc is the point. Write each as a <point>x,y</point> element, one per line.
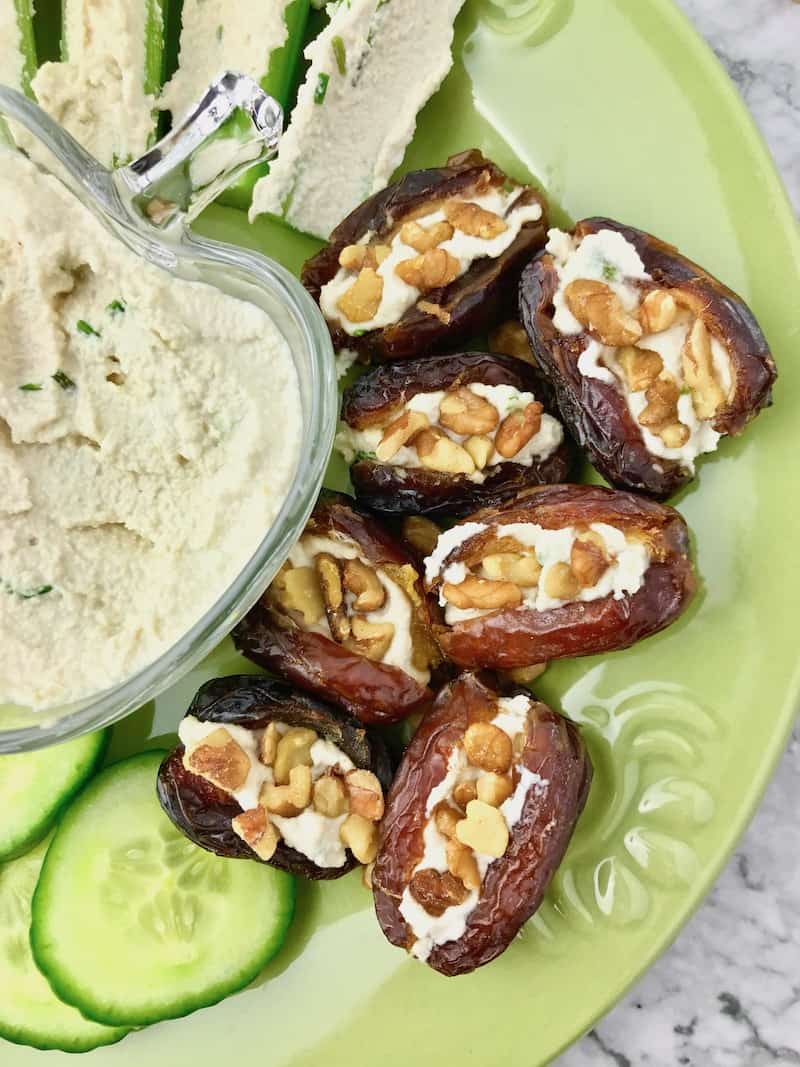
<point>727,994</point>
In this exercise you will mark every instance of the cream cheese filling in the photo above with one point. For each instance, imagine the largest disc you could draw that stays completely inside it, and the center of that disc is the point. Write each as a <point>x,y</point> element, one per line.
<point>316,836</point>
<point>432,930</point>
<point>505,398</point>
<point>398,296</point>
<point>608,257</point>
<point>624,575</point>
<point>397,608</point>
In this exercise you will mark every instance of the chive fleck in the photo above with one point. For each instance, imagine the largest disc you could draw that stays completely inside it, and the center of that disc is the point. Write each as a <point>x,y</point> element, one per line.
<point>359,333</point>
<point>339,54</point>
<point>83,327</point>
<point>30,387</point>
<point>116,307</point>
<point>29,594</point>
<point>322,88</point>
<point>220,31</point>
<point>360,457</point>
<point>62,379</point>
<point>609,272</point>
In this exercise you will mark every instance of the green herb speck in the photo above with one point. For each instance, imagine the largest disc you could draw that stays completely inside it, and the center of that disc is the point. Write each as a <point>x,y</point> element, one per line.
<point>116,307</point>
<point>30,387</point>
<point>337,44</point>
<point>83,327</point>
<point>62,379</point>
<point>322,88</point>
<point>220,31</point>
<point>361,456</point>
<point>359,333</point>
<point>609,272</point>
<point>29,594</point>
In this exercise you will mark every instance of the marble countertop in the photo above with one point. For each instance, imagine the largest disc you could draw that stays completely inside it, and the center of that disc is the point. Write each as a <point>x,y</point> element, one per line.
<point>727,994</point>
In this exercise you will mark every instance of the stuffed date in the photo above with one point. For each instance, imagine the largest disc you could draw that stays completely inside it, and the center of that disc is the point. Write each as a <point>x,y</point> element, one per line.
<point>448,434</point>
<point>563,570</point>
<point>652,358</point>
<point>477,820</point>
<point>346,617</point>
<point>429,261</point>
<point>266,772</point>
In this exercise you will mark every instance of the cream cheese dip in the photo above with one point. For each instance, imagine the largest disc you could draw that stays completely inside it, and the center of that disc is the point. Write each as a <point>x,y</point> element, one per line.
<point>149,434</point>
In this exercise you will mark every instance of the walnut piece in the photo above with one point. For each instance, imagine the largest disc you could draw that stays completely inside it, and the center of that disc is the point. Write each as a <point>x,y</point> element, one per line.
<point>598,308</point>
<point>482,594</point>
<point>484,829</point>
<point>431,270</point>
<point>256,830</point>
<point>517,429</point>
<point>465,413</point>
<point>361,301</point>
<point>220,761</point>
<point>488,747</point>
<point>474,220</point>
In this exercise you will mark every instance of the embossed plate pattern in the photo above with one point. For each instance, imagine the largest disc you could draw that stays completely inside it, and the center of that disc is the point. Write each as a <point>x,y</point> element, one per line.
<point>616,107</point>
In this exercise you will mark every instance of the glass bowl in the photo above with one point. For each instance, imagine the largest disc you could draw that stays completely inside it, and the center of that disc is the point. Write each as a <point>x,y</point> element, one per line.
<point>148,206</point>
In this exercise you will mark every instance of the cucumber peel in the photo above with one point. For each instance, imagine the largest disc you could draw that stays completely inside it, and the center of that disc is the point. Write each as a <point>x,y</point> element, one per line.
<point>132,923</point>
<point>30,1013</point>
<point>35,786</point>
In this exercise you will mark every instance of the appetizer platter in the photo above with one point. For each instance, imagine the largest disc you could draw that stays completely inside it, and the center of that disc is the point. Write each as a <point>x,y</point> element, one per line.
<point>489,726</point>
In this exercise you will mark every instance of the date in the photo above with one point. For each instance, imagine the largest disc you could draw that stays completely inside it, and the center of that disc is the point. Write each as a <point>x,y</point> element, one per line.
<point>200,801</point>
<point>448,434</point>
<point>347,617</point>
<point>429,261</point>
<point>651,357</point>
<point>568,570</point>
<point>477,821</point>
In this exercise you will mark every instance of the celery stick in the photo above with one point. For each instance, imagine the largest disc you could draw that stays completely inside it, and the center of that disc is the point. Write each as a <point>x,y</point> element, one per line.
<point>17,46</point>
<point>111,114</point>
<point>357,108</point>
<point>17,52</point>
<point>214,39</point>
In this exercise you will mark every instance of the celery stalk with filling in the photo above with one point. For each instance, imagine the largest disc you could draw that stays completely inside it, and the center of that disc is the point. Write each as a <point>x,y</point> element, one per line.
<point>112,65</point>
<point>371,70</point>
<point>17,46</point>
<point>261,40</point>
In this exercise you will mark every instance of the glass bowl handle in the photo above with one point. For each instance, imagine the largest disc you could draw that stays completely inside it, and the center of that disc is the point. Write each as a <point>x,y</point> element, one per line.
<point>233,127</point>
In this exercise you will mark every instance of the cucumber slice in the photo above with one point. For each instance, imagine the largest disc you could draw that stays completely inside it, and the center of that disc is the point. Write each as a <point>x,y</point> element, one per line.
<point>133,924</point>
<point>30,1013</point>
<point>35,786</point>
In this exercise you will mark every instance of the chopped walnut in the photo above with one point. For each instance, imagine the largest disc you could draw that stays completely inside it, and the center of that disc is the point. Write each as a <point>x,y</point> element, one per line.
<point>361,301</point>
<point>220,761</point>
<point>474,220</point>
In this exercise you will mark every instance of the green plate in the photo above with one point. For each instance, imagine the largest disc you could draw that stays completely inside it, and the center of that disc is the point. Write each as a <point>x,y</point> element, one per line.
<point>617,107</point>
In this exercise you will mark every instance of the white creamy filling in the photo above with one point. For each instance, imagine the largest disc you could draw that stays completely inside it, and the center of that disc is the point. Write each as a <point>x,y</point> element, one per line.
<point>397,608</point>
<point>12,65</point>
<point>398,296</point>
<point>149,434</point>
<point>240,36</point>
<point>604,257</point>
<point>505,398</point>
<point>623,576</point>
<point>371,69</point>
<point>316,836</point>
<point>448,542</point>
<point>432,930</point>
<point>608,257</point>
<point>98,91</point>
